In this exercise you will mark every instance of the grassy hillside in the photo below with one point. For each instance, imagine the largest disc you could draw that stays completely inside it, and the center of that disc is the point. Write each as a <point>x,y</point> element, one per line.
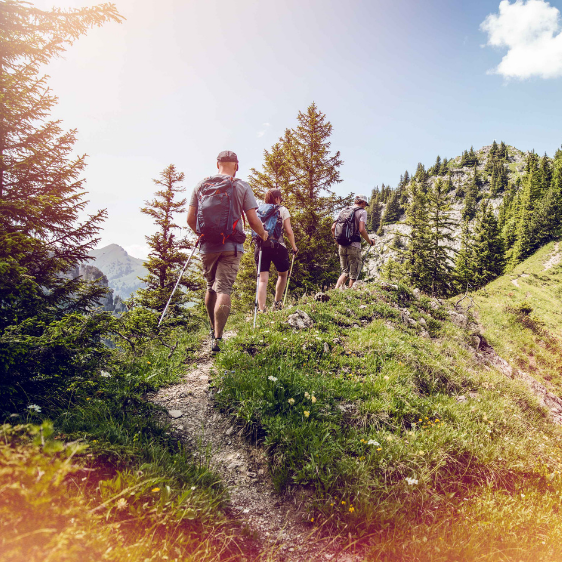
<point>521,314</point>
<point>394,431</point>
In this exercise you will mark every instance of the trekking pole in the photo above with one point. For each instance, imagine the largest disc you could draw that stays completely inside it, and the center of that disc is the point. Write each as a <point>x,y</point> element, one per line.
<point>288,280</point>
<point>257,283</point>
<point>178,282</point>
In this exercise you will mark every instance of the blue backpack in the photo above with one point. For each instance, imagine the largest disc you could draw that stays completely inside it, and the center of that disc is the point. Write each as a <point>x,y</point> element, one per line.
<point>215,213</point>
<point>270,217</point>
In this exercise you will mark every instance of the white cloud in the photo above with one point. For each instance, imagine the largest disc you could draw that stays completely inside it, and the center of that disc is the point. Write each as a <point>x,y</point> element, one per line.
<point>263,131</point>
<point>531,32</point>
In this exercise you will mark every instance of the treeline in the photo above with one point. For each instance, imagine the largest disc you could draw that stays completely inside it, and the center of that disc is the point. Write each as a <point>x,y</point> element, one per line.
<point>492,242</point>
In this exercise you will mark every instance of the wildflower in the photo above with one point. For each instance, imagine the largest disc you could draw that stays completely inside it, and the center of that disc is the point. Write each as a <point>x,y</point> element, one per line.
<point>343,502</point>
<point>272,378</point>
<point>379,449</point>
<point>420,420</point>
<point>351,509</point>
<point>306,414</point>
<point>313,399</point>
<point>105,374</point>
<point>363,441</point>
<point>411,481</point>
<point>149,362</point>
<point>373,442</point>
<point>332,504</point>
<point>386,378</point>
<point>34,407</point>
<point>312,519</point>
<point>155,490</point>
<point>193,487</point>
<point>389,438</point>
<point>121,504</point>
<point>306,395</point>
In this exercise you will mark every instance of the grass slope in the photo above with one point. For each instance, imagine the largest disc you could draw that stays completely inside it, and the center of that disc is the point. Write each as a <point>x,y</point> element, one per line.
<point>521,314</point>
<point>395,432</point>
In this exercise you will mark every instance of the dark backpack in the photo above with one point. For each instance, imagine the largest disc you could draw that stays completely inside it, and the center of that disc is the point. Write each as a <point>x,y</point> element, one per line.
<point>215,213</point>
<point>346,230</point>
<point>270,217</point>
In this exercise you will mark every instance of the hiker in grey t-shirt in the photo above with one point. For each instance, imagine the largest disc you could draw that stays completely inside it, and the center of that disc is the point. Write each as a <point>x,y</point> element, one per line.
<point>350,256</point>
<point>222,260</point>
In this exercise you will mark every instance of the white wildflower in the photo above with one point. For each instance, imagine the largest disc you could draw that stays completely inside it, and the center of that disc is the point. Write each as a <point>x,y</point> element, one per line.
<point>313,399</point>
<point>373,442</point>
<point>121,503</point>
<point>272,378</point>
<point>105,374</point>
<point>291,401</point>
<point>34,407</point>
<point>411,481</point>
<point>306,395</point>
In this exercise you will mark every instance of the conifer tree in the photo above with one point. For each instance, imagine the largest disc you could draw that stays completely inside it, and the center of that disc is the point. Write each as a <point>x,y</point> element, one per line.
<point>444,167</point>
<point>493,150</point>
<point>168,252</point>
<point>441,225</point>
<point>471,198</point>
<point>463,273</point>
<point>374,214</point>
<point>503,153</point>
<point>417,255</point>
<point>306,171</point>
<point>488,253</point>
<point>392,211</point>
<point>43,237</point>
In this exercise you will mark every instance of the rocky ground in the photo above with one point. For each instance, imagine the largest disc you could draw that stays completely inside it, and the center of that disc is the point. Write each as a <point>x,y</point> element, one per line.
<point>276,525</point>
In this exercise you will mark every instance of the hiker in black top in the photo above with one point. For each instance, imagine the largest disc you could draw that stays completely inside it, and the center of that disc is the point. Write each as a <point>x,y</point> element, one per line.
<point>274,250</point>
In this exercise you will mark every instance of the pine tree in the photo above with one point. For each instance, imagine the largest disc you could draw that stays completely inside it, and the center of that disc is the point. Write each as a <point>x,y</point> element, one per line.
<point>168,255</point>
<point>493,150</point>
<point>444,167</point>
<point>417,255</point>
<point>523,244</point>
<point>464,271</point>
<point>471,198</point>
<point>472,158</point>
<point>374,213</point>
<point>441,225</point>
<point>503,153</point>
<point>488,253</point>
<point>43,237</point>
<point>392,211</point>
<point>307,177</point>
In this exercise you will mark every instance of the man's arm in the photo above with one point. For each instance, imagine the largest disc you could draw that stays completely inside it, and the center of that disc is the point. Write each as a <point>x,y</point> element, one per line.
<point>192,218</point>
<point>333,229</point>
<point>256,224</point>
<point>364,234</point>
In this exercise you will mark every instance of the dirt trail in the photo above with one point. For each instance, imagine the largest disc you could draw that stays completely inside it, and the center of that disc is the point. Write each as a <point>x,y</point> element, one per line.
<point>278,523</point>
<point>554,259</point>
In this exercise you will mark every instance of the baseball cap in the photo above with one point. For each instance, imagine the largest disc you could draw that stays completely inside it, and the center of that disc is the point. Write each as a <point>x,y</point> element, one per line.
<point>362,198</point>
<point>227,156</point>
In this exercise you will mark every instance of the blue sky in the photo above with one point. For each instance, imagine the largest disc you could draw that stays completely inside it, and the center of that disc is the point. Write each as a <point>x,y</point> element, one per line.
<point>401,81</point>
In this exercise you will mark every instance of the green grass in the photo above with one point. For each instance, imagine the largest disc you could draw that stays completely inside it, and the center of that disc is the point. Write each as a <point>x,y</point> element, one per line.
<point>130,493</point>
<point>531,342</point>
<point>365,413</point>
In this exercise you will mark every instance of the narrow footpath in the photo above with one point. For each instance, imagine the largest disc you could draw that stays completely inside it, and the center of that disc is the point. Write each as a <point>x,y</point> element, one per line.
<point>277,524</point>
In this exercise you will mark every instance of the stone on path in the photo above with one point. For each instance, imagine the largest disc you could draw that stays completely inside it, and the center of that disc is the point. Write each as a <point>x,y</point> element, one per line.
<point>175,413</point>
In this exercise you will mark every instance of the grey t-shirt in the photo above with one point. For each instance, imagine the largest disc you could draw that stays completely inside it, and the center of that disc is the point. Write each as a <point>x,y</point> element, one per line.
<point>244,200</point>
<point>360,217</point>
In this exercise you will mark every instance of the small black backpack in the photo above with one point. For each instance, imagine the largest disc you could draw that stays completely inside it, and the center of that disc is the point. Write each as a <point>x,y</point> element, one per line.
<point>346,231</point>
<point>215,213</point>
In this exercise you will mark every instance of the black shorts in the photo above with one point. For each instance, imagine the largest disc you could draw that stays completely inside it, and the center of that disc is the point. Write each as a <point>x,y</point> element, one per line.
<point>278,255</point>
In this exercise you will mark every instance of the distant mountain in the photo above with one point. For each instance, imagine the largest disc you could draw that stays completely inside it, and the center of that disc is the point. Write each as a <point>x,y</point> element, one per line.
<point>121,269</point>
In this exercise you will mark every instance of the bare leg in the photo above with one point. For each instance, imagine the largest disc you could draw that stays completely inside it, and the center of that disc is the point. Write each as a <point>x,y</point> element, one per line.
<point>281,284</point>
<point>210,300</point>
<point>351,281</point>
<point>342,279</point>
<point>222,310</point>
<point>262,290</point>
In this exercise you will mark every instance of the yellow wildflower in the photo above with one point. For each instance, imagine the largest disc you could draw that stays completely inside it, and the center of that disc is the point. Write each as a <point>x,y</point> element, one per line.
<point>155,490</point>
<point>351,509</point>
<point>312,519</point>
<point>379,449</point>
<point>343,502</point>
<point>313,399</point>
<point>306,414</point>
<point>291,401</point>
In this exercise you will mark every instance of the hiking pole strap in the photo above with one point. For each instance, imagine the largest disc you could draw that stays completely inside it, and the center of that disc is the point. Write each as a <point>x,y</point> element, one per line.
<point>178,281</point>
<point>257,285</point>
<point>289,280</point>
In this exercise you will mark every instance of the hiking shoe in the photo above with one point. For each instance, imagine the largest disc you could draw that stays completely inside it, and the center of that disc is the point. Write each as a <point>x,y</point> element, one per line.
<point>277,305</point>
<point>216,345</point>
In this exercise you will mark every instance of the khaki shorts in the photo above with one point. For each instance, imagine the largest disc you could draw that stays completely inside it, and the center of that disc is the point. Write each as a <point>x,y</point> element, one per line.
<point>350,260</point>
<point>220,270</point>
